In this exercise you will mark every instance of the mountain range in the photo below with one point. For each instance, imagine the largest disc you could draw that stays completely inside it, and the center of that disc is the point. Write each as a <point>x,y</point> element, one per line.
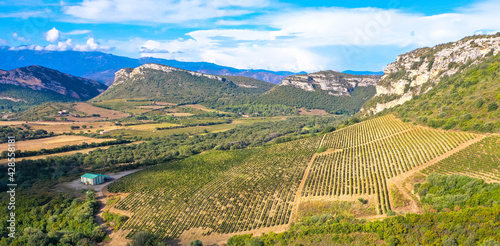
<point>35,84</point>
<point>103,66</point>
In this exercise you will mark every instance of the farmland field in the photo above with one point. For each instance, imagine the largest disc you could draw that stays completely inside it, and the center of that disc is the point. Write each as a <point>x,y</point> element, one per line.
<point>53,142</point>
<point>371,152</point>
<point>217,192</point>
<point>480,160</point>
<point>221,193</point>
<point>82,151</point>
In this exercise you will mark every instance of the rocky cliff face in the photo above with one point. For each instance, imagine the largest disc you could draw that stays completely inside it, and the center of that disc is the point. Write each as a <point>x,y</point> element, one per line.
<point>128,73</point>
<point>337,84</point>
<point>40,78</point>
<point>419,71</point>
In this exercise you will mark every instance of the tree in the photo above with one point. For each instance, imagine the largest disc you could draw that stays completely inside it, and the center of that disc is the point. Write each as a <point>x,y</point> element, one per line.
<point>196,243</point>
<point>450,241</point>
<point>143,238</point>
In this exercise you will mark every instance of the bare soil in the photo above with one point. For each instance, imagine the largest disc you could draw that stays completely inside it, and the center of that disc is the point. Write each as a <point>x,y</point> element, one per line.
<point>53,142</point>
<point>89,109</point>
<point>304,111</point>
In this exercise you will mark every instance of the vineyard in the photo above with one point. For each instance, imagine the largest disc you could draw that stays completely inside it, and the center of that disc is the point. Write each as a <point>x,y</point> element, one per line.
<point>223,192</point>
<point>480,160</point>
<point>371,152</point>
<point>218,191</point>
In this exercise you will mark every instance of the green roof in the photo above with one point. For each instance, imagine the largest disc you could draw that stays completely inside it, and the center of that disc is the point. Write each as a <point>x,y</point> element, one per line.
<point>92,176</point>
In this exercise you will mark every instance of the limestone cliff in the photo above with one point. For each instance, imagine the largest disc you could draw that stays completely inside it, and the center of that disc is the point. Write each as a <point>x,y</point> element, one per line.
<point>335,83</point>
<point>419,71</point>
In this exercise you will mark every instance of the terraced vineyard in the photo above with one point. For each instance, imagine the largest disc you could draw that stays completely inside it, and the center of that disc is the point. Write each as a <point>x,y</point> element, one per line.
<point>218,191</point>
<point>223,192</point>
<point>480,160</point>
<point>371,152</point>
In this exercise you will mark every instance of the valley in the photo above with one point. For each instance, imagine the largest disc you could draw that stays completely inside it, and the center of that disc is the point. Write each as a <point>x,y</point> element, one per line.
<point>325,158</point>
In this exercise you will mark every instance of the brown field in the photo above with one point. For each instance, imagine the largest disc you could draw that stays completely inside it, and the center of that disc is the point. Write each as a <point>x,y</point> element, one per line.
<point>303,111</point>
<point>65,127</point>
<point>52,142</point>
<point>152,107</point>
<point>201,107</point>
<point>105,113</point>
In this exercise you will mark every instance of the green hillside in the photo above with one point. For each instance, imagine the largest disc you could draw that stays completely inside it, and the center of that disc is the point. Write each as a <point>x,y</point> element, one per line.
<point>468,100</point>
<point>250,85</point>
<point>319,99</point>
<point>29,97</point>
<point>180,87</point>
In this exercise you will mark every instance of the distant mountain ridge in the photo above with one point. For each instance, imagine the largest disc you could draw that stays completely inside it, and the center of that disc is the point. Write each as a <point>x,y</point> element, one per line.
<point>102,66</point>
<point>36,84</point>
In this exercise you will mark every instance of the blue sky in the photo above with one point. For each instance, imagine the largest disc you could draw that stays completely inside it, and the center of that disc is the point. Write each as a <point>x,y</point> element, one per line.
<point>259,34</point>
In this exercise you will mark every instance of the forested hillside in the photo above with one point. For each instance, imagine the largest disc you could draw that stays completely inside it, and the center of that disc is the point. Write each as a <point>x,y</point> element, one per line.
<point>468,100</point>
<point>34,85</point>
<point>175,85</point>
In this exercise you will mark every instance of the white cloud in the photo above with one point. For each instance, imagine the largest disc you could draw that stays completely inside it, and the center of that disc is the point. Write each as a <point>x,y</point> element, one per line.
<point>77,32</point>
<point>52,35</point>
<point>26,14</point>
<point>19,38</point>
<point>90,45</point>
<point>61,46</point>
<point>160,11</point>
<point>3,41</point>
<point>296,39</point>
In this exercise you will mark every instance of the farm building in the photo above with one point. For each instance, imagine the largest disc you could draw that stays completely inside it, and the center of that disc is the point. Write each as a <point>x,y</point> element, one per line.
<point>94,179</point>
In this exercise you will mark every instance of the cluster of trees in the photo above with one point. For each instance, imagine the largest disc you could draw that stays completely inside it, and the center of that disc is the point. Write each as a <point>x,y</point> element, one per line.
<point>66,148</point>
<point>29,96</point>
<point>22,134</point>
<point>445,193</point>
<point>45,219</point>
<point>286,100</point>
<point>474,220</point>
<point>160,150</point>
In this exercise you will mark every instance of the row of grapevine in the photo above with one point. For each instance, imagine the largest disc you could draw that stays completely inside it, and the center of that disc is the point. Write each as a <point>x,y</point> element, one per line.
<point>364,167</point>
<point>256,191</point>
<point>365,132</point>
<point>481,160</point>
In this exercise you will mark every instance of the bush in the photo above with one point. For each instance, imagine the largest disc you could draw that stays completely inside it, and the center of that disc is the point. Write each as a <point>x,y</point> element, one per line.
<point>479,103</point>
<point>196,243</point>
<point>492,106</point>
<point>322,149</point>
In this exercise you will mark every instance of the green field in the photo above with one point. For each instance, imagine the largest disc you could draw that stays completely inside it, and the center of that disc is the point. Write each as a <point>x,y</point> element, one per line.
<point>372,152</point>
<point>481,160</point>
<point>231,191</point>
<point>217,192</point>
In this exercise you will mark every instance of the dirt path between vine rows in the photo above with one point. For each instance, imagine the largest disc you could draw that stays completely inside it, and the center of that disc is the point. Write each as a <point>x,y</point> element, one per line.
<point>402,184</point>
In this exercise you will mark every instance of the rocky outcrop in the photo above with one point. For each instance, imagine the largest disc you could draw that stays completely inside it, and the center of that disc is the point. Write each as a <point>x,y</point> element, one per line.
<point>45,79</point>
<point>419,71</point>
<point>337,84</point>
<point>128,73</point>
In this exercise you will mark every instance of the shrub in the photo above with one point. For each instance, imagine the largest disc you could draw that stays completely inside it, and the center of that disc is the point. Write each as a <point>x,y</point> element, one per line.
<point>492,106</point>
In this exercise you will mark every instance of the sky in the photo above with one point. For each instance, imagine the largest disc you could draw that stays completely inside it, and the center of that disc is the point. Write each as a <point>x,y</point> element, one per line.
<point>248,34</point>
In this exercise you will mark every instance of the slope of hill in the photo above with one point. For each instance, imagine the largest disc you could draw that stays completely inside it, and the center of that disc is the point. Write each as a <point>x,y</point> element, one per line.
<point>35,84</point>
<point>417,72</point>
<point>216,194</point>
<point>469,100</point>
<point>328,90</point>
<point>160,82</point>
<point>102,66</point>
